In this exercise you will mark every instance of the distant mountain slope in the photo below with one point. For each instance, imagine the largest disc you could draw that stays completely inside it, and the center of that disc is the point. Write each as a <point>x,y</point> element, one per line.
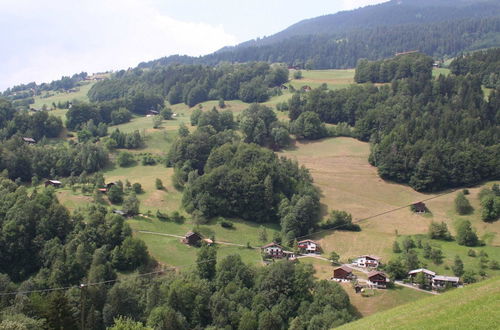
<point>473,307</point>
<point>396,12</point>
<point>438,28</point>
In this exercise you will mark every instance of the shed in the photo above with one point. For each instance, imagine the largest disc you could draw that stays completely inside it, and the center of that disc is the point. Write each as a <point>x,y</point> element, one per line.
<point>29,140</point>
<point>119,212</point>
<point>192,238</point>
<point>419,207</point>
<point>441,281</point>
<point>54,183</point>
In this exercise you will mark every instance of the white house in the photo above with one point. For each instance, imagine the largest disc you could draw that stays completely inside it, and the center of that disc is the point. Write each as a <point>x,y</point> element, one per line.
<point>367,261</point>
<point>273,250</point>
<point>427,273</point>
<point>440,281</point>
<point>308,245</point>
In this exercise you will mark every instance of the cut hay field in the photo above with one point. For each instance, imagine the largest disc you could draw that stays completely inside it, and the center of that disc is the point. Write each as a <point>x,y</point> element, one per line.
<point>348,182</point>
<point>334,79</point>
<point>473,307</point>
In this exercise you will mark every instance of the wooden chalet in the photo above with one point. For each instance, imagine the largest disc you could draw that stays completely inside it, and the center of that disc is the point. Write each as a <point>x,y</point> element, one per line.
<point>53,183</point>
<point>367,261</point>
<point>343,273</point>
<point>192,238</point>
<point>378,279</point>
<point>29,140</point>
<point>308,246</point>
<point>419,207</point>
<point>441,282</point>
<point>273,250</point>
<point>429,275</point>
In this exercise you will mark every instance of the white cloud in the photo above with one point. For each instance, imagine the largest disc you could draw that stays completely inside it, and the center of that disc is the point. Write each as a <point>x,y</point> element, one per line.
<point>47,39</point>
<point>353,4</point>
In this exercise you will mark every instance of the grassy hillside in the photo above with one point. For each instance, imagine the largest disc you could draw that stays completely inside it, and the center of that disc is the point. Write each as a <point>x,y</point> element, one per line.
<point>348,182</point>
<point>473,307</point>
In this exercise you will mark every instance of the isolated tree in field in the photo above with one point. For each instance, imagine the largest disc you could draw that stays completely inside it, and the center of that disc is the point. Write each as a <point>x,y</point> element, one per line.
<point>157,121</point>
<point>469,277</point>
<point>490,205</point>
<point>458,266</point>
<point>408,243</point>
<point>439,231</point>
<point>159,184</point>
<point>462,204</point>
<point>466,235</point>
<point>137,188</point>
<point>395,247</point>
<point>297,74</point>
<point>411,260</point>
<point>437,256</point>
<point>166,113</point>
<point>334,257</point>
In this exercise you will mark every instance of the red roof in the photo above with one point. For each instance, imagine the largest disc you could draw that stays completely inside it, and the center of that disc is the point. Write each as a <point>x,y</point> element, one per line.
<point>272,244</point>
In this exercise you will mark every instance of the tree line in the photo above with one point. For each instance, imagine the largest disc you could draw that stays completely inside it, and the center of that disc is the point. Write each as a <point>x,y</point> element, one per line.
<point>485,63</point>
<point>192,84</point>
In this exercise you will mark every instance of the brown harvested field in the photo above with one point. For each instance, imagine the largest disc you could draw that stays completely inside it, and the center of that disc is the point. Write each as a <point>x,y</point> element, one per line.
<point>348,182</point>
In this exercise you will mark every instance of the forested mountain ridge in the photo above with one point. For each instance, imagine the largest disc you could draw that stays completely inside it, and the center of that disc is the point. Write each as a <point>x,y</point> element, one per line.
<point>437,28</point>
<point>396,12</point>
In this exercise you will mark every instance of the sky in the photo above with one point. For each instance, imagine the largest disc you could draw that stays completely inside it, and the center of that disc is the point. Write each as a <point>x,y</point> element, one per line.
<point>44,40</point>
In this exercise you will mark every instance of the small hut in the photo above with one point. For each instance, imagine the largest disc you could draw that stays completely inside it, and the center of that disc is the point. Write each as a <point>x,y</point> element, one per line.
<point>53,183</point>
<point>192,238</point>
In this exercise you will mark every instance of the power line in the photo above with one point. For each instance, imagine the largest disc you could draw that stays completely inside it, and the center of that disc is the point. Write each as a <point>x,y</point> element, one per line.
<point>85,285</point>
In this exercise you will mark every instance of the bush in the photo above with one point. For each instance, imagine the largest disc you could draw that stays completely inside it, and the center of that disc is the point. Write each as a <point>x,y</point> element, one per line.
<point>471,253</point>
<point>162,216</point>
<point>462,204</point>
<point>125,159</point>
<point>226,224</point>
<point>159,184</point>
<point>148,159</point>
<point>340,220</point>
<point>137,188</point>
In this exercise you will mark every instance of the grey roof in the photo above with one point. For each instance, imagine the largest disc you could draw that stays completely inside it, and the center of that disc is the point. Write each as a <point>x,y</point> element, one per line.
<point>446,278</point>
<point>422,270</point>
<point>345,268</point>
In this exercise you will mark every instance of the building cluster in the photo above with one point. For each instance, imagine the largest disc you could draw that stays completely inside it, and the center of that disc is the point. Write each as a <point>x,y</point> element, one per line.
<point>276,251</point>
<point>436,281</point>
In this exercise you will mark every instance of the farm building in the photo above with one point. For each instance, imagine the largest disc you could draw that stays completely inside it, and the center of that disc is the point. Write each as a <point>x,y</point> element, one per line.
<point>306,88</point>
<point>378,279</point>
<point>273,250</point>
<point>29,140</point>
<point>367,261</point>
<point>192,238</point>
<point>441,282</point>
<point>419,207</point>
<point>53,183</point>
<point>119,212</point>
<point>153,112</point>
<point>308,246</point>
<point>429,275</point>
<point>343,273</point>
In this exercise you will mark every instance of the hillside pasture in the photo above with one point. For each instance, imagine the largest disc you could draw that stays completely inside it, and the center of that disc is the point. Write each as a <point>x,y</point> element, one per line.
<point>473,307</point>
<point>56,97</point>
<point>347,181</point>
<point>334,79</point>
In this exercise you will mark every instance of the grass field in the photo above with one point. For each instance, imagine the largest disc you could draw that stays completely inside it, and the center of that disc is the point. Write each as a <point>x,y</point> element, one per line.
<point>80,95</point>
<point>348,182</point>
<point>334,79</point>
<point>473,307</point>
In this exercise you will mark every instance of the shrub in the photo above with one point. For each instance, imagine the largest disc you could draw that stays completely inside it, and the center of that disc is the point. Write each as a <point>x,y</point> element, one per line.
<point>137,188</point>
<point>159,184</point>
<point>226,224</point>
<point>125,159</point>
<point>462,204</point>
